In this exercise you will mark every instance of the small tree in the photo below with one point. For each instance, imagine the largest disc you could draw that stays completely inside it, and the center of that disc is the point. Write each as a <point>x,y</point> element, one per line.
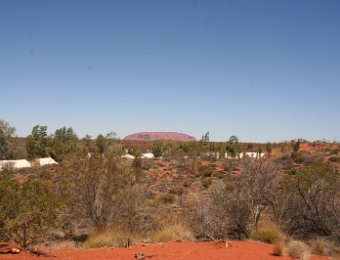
<point>102,144</point>
<point>233,207</point>
<point>314,203</point>
<point>37,142</point>
<point>259,181</point>
<point>104,190</point>
<point>8,199</point>
<point>205,138</point>
<point>296,148</point>
<point>158,149</point>
<point>65,134</point>
<point>6,132</point>
<point>63,143</point>
<point>27,211</point>
<point>269,149</point>
<point>233,146</point>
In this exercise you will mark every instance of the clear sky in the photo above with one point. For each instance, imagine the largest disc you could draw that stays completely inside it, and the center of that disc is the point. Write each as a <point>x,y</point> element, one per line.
<point>260,70</point>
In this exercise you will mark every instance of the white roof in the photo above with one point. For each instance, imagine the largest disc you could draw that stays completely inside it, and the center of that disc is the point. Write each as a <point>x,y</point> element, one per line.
<point>23,163</point>
<point>45,161</point>
<point>128,156</point>
<point>148,156</point>
<point>16,164</point>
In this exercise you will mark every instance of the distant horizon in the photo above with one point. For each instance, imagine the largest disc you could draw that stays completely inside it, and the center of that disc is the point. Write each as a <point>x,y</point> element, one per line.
<point>261,70</point>
<point>93,137</point>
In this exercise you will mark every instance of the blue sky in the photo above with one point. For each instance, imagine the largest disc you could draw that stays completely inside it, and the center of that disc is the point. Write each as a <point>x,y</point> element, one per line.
<point>261,70</point>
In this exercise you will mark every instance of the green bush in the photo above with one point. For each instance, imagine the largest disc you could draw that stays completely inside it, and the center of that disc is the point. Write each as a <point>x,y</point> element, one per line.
<point>158,149</point>
<point>26,211</point>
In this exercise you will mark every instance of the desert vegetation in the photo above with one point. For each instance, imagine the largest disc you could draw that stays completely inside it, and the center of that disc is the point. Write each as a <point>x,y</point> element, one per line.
<point>190,191</point>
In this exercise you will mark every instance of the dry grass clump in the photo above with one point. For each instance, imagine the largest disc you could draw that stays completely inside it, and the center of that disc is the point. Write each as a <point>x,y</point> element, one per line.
<point>320,247</point>
<point>111,238</point>
<point>267,234</point>
<point>299,250</point>
<point>206,183</point>
<point>167,198</point>
<point>176,232</point>
<point>278,248</point>
<point>325,248</point>
<point>177,190</point>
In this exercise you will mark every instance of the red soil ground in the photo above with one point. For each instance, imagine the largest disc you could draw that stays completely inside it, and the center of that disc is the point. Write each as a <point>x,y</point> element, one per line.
<point>173,250</point>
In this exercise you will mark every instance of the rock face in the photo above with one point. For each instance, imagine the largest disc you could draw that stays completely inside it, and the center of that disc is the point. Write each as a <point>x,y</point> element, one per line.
<point>162,136</point>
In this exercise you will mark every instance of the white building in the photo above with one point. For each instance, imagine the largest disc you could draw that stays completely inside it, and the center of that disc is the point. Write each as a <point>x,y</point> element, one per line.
<point>148,156</point>
<point>23,163</point>
<point>253,155</point>
<point>14,164</point>
<point>128,156</point>
<point>45,161</point>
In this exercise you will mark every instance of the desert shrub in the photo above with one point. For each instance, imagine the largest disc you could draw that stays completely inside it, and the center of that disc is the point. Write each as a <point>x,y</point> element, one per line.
<point>298,249</point>
<point>278,248</point>
<point>8,200</point>
<point>219,175</point>
<point>111,237</point>
<point>285,157</point>
<point>27,211</point>
<point>220,215</point>
<point>158,149</point>
<point>187,183</point>
<point>206,171</point>
<point>137,163</point>
<point>314,203</point>
<point>299,158</point>
<point>194,165</point>
<point>228,165</point>
<point>148,164</point>
<point>175,232</point>
<point>167,198</point>
<point>206,183</point>
<point>182,166</point>
<point>210,219</point>
<point>267,234</point>
<point>334,159</point>
<point>233,206</point>
<point>104,191</point>
<point>176,190</point>
<point>319,247</point>
<point>257,186</point>
<point>325,248</point>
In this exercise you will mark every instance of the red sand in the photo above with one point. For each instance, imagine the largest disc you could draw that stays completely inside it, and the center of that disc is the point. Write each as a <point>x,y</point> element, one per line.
<point>173,250</point>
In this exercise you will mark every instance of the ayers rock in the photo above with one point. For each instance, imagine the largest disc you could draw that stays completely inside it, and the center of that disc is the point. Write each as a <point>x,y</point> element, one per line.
<point>155,136</point>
